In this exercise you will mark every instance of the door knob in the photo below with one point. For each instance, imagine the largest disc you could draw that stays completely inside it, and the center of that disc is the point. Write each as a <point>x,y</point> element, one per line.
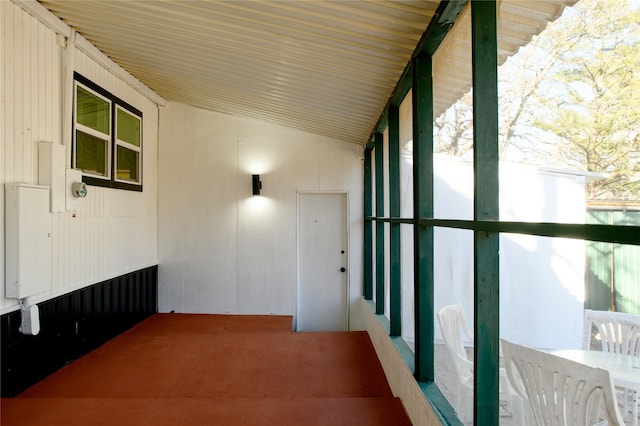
<point>342,269</point>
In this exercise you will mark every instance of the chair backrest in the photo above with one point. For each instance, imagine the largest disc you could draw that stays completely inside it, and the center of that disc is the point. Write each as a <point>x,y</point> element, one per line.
<point>619,332</point>
<point>454,330</point>
<point>560,392</point>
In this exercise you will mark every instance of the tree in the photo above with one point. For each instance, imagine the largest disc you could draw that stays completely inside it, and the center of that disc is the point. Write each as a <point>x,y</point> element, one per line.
<point>519,78</point>
<point>454,128</point>
<point>591,99</point>
<point>569,98</point>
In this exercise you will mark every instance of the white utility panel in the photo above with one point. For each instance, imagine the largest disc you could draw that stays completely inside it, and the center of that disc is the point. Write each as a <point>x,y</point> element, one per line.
<point>27,240</point>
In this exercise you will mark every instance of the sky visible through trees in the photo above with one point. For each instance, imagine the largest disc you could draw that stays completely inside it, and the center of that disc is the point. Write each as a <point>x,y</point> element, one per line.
<point>569,99</point>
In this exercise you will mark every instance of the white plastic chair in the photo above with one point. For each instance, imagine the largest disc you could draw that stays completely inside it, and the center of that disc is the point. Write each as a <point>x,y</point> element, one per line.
<point>619,333</point>
<point>455,331</point>
<point>560,392</point>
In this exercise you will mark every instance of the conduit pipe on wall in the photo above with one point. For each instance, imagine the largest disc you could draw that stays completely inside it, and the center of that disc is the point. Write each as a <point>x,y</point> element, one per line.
<point>30,317</point>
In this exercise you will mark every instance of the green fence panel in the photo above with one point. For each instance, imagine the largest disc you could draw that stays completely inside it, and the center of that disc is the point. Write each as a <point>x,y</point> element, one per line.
<point>613,270</point>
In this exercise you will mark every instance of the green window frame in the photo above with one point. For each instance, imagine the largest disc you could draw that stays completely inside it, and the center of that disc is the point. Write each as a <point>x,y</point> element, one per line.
<point>107,143</point>
<point>486,225</point>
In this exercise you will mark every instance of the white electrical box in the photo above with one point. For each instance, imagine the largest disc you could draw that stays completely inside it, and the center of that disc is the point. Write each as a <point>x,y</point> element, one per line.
<point>27,224</point>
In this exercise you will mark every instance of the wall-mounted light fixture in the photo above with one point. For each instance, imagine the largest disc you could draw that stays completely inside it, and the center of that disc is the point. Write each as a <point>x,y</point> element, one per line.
<point>79,189</point>
<point>256,184</point>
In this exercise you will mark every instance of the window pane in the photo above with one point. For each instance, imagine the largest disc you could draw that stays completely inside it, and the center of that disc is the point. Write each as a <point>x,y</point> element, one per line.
<point>568,113</point>
<point>453,187</point>
<point>408,296</point>
<point>542,296</point>
<point>387,227</point>
<point>612,270</point>
<point>127,164</point>
<point>406,156</point>
<point>453,123</point>
<point>128,128</point>
<point>406,211</point>
<point>374,226</point>
<point>92,111</point>
<point>454,309</point>
<point>91,154</point>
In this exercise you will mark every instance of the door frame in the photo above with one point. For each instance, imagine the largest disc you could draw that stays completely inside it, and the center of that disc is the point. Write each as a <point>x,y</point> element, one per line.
<point>347,252</point>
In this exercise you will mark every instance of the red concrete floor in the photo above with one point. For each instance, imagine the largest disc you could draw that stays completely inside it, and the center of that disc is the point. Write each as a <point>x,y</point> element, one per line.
<point>215,370</point>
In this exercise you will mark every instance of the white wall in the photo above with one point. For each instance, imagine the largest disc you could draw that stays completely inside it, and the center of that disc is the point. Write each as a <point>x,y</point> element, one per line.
<point>220,249</point>
<point>541,279</point>
<point>113,231</point>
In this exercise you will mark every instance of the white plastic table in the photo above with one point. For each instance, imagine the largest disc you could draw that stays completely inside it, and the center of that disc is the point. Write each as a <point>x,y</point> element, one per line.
<point>623,369</point>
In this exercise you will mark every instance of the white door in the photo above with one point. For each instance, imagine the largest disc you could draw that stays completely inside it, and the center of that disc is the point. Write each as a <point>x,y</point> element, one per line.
<point>322,262</point>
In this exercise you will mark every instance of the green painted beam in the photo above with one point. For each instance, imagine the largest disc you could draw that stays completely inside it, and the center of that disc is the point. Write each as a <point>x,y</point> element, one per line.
<point>422,96</point>
<point>441,406</point>
<point>368,228</point>
<point>397,96</point>
<point>484,44</point>
<point>395,273</point>
<point>619,234</point>
<point>443,19</point>
<point>379,225</point>
<point>372,141</point>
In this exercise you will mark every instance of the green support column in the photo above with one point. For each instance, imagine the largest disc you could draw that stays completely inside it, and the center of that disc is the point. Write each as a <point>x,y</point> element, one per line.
<point>423,208</point>
<point>487,267</point>
<point>368,228</point>
<point>395,274</point>
<point>379,224</point>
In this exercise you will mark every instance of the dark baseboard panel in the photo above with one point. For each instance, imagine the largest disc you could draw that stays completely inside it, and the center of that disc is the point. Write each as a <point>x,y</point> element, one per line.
<point>72,325</point>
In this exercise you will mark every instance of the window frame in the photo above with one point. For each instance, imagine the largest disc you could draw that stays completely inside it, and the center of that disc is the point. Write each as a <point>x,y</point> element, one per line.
<point>124,144</point>
<point>92,132</point>
<point>486,227</point>
<point>111,180</point>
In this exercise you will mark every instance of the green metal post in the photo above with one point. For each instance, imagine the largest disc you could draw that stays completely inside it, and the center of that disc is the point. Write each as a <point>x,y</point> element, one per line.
<point>368,228</point>
<point>423,208</point>
<point>395,273</point>
<point>487,267</point>
<point>378,137</point>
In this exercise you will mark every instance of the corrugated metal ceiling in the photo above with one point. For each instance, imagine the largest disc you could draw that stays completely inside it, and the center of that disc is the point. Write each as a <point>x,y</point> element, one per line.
<point>326,67</point>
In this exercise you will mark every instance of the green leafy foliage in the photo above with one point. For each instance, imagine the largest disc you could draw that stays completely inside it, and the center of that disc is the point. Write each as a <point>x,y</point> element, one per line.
<point>570,98</point>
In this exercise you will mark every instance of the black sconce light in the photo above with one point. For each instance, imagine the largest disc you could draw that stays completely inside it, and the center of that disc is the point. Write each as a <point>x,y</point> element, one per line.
<point>256,184</point>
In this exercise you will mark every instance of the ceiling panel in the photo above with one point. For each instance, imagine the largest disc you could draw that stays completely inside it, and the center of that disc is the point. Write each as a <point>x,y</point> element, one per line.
<point>327,67</point>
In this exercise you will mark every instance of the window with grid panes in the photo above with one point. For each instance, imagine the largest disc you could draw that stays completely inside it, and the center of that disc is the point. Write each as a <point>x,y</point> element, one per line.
<point>107,138</point>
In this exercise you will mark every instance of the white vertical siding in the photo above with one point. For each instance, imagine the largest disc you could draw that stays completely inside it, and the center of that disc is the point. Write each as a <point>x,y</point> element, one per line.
<point>31,59</point>
<point>111,232</point>
<point>221,250</point>
<point>30,100</point>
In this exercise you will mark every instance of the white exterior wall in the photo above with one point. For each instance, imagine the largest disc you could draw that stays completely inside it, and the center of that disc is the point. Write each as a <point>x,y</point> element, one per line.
<point>222,250</point>
<point>113,231</point>
<point>541,279</point>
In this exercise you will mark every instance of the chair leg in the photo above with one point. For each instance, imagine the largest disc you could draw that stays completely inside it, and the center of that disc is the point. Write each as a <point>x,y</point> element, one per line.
<point>634,408</point>
<point>630,405</point>
<point>625,401</point>
<point>464,403</point>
